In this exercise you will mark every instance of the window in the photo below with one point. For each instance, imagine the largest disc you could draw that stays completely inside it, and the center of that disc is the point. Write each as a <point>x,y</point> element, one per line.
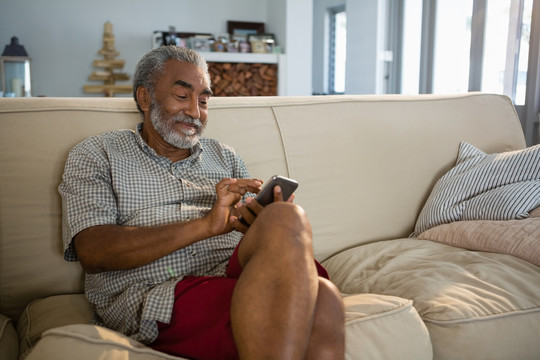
<point>504,68</point>
<point>474,45</point>
<point>412,35</point>
<point>338,50</point>
<point>452,46</point>
<point>455,46</point>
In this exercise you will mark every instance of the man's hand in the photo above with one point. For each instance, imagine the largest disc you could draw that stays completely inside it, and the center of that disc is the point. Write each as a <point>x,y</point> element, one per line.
<point>229,192</point>
<point>251,209</point>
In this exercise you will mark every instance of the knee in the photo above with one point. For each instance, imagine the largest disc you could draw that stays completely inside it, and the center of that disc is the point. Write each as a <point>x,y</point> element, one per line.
<point>283,226</point>
<point>285,214</point>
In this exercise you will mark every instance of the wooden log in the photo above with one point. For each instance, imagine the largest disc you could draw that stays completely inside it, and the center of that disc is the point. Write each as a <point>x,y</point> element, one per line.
<point>109,64</point>
<point>243,79</point>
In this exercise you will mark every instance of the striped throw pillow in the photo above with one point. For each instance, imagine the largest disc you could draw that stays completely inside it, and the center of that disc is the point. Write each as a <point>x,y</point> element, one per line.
<point>484,186</point>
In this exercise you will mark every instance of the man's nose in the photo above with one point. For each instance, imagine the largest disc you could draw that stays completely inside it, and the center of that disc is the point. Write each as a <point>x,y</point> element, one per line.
<point>193,109</point>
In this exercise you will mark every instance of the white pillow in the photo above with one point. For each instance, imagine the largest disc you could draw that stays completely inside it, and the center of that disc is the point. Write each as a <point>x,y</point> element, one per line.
<point>484,186</point>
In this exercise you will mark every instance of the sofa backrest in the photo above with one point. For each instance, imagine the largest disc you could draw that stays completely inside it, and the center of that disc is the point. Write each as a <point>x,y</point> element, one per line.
<point>365,165</point>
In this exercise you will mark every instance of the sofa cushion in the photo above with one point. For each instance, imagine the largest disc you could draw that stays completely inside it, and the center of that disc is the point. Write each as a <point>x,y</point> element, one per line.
<point>476,305</point>
<point>384,327</point>
<point>377,327</point>
<point>484,186</point>
<point>91,342</point>
<point>9,342</point>
<point>520,238</point>
<point>48,313</point>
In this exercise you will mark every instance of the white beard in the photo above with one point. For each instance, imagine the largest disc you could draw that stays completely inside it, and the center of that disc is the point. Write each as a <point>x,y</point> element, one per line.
<point>164,125</point>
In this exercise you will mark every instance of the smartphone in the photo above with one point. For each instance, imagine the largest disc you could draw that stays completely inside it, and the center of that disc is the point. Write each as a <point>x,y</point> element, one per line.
<point>266,195</point>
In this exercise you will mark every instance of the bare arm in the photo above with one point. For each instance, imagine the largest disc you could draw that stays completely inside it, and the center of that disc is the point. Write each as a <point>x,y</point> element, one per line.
<point>114,247</point>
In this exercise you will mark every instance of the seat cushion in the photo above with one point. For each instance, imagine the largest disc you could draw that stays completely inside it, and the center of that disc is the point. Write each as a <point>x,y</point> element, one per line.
<point>476,305</point>
<point>48,313</point>
<point>377,326</point>
<point>88,342</point>
<point>9,344</point>
<point>384,327</point>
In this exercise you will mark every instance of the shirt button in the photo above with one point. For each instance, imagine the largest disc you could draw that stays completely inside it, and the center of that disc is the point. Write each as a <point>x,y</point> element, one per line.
<point>193,253</point>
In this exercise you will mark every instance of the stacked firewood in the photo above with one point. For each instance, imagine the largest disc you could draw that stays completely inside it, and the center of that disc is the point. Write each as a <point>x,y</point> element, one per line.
<point>243,79</point>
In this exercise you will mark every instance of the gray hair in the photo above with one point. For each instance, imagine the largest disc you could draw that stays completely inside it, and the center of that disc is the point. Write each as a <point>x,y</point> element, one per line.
<point>152,64</point>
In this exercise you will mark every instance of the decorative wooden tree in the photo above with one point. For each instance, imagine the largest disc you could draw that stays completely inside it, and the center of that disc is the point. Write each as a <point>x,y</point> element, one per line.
<point>109,64</point>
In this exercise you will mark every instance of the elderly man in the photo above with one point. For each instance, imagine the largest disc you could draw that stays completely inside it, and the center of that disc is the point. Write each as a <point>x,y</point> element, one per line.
<point>152,216</point>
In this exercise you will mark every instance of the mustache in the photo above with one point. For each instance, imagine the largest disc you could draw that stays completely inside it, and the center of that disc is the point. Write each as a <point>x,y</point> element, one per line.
<point>187,119</point>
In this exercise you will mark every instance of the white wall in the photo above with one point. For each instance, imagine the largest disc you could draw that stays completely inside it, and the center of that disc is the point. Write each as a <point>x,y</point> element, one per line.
<point>365,34</point>
<point>364,42</point>
<point>299,46</point>
<point>63,36</point>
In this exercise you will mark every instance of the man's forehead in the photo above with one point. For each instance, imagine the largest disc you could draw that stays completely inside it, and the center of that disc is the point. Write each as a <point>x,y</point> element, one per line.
<point>187,75</point>
<point>189,86</point>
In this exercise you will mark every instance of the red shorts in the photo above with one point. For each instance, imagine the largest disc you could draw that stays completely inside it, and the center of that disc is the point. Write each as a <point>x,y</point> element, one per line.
<point>200,325</point>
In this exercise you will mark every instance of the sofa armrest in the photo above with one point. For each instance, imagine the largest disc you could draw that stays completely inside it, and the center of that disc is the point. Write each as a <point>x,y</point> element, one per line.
<point>48,313</point>
<point>9,341</point>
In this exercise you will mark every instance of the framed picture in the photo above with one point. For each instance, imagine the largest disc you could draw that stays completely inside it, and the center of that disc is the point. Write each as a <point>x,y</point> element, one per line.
<point>239,37</point>
<point>244,47</point>
<point>197,35</point>
<point>157,39</point>
<point>199,43</point>
<point>258,47</point>
<point>261,37</point>
<point>262,43</point>
<point>233,46</point>
<point>164,38</point>
<point>224,38</point>
<point>244,28</point>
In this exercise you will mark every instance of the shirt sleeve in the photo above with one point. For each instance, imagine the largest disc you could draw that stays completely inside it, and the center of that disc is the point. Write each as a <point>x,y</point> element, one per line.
<point>240,168</point>
<point>240,171</point>
<point>87,195</point>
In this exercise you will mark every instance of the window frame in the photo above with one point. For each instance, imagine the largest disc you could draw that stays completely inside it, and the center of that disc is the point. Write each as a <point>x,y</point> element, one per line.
<point>332,13</point>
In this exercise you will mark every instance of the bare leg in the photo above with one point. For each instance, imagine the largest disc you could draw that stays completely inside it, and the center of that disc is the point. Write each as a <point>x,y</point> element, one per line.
<point>278,291</point>
<point>328,333</point>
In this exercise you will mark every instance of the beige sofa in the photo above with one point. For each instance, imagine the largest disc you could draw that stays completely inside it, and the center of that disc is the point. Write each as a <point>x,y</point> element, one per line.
<point>365,164</point>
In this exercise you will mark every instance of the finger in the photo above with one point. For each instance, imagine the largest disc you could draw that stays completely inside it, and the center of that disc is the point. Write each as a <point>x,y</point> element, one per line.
<point>256,186</point>
<point>224,184</point>
<point>291,198</point>
<point>278,195</point>
<point>253,206</point>
<point>238,225</point>
<point>246,213</point>
<point>235,212</point>
<point>242,186</point>
<point>253,185</point>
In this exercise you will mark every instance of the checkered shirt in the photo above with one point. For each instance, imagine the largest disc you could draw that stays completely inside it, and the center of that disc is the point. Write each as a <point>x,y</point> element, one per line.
<point>116,178</point>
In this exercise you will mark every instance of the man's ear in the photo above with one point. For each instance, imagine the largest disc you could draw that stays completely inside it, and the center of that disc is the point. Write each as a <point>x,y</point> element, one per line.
<point>143,98</point>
